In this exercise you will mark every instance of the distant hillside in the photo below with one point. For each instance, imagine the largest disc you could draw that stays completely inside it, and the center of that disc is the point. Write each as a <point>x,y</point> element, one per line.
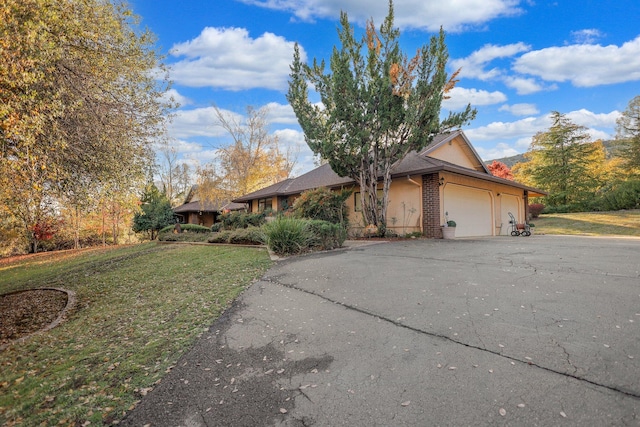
<point>611,147</point>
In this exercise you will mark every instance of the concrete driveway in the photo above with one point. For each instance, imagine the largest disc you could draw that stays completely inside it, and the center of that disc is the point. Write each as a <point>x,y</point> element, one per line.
<point>541,330</point>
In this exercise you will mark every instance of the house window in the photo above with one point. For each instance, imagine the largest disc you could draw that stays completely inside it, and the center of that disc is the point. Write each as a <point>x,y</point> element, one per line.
<point>358,205</point>
<point>264,204</point>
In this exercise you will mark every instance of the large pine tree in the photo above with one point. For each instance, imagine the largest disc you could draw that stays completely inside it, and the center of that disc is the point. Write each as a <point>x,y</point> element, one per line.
<point>562,160</point>
<point>378,104</point>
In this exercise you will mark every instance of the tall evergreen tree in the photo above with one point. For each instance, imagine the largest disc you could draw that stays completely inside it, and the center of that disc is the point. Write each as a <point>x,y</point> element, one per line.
<point>155,214</point>
<point>377,106</point>
<point>564,162</point>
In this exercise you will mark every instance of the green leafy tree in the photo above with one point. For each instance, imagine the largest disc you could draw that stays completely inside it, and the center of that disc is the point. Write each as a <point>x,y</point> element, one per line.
<point>563,162</point>
<point>628,127</point>
<point>156,212</point>
<point>377,106</point>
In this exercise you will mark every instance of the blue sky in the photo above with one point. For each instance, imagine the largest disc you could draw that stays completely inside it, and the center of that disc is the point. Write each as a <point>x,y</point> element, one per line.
<point>520,60</point>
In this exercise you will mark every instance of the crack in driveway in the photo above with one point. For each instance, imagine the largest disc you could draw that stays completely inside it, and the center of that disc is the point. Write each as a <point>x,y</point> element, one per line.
<point>614,388</point>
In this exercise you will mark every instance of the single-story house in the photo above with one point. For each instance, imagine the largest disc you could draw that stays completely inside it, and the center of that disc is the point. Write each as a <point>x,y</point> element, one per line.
<point>447,180</point>
<point>203,212</point>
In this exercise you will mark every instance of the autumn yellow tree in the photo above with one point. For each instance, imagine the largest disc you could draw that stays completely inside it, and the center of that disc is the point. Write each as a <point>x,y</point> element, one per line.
<point>252,159</point>
<point>79,101</point>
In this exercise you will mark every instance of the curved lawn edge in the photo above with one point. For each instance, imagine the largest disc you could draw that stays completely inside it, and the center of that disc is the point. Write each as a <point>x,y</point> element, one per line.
<point>71,302</point>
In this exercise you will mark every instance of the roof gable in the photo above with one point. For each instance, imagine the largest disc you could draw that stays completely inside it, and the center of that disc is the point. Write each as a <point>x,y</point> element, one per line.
<point>455,148</point>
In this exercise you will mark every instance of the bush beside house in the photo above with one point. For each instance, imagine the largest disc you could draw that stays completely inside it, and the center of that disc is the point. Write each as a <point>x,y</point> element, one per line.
<point>290,236</point>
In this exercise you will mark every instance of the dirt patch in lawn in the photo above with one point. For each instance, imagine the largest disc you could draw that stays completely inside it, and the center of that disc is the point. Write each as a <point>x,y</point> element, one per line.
<point>31,311</point>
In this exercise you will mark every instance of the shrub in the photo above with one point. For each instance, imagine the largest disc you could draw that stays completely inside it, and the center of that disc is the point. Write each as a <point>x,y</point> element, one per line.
<point>221,237</point>
<point>323,204</point>
<point>326,235</point>
<point>247,236</point>
<point>191,228</point>
<point>216,227</point>
<point>621,195</point>
<point>240,236</point>
<point>535,209</point>
<point>234,220</point>
<point>288,236</point>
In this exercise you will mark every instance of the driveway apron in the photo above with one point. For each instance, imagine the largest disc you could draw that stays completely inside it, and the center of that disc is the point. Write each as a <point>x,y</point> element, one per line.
<point>543,330</point>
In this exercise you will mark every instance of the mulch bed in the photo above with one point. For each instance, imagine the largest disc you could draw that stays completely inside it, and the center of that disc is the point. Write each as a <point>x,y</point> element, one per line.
<point>26,312</point>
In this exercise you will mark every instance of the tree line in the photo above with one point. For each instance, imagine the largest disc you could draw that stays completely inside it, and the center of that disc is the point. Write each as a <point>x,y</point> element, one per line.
<point>80,105</point>
<point>580,174</point>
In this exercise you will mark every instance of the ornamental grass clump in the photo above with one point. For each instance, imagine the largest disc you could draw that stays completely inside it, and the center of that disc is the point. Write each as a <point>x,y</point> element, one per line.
<point>288,236</point>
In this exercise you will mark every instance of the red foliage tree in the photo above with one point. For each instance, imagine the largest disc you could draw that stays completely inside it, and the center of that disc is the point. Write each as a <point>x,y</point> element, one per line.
<point>44,230</point>
<point>500,170</point>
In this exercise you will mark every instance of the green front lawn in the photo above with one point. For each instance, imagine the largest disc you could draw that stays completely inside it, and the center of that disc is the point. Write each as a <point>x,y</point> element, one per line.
<point>139,308</point>
<point>618,223</point>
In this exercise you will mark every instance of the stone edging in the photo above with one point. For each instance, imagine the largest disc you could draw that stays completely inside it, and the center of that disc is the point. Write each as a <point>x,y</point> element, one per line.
<point>71,302</point>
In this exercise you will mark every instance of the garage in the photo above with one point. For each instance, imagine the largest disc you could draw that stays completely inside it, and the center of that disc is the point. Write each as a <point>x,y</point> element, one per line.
<point>508,203</point>
<point>470,208</point>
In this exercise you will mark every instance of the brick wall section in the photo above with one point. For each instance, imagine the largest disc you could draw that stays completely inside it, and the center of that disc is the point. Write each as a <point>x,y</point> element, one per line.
<point>431,206</point>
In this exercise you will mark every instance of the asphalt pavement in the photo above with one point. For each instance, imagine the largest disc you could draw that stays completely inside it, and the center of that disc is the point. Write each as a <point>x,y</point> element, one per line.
<point>519,331</point>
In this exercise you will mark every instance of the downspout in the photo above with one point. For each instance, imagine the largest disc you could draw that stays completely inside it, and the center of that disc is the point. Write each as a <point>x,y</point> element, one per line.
<point>419,198</point>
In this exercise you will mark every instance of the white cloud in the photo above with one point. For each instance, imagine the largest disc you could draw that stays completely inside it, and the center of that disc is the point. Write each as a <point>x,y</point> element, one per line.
<point>203,157</point>
<point>460,97</point>
<point>584,65</point>
<point>525,86</point>
<point>586,36</point>
<point>294,140</point>
<point>199,122</point>
<point>229,58</point>
<point>173,95</point>
<point>520,109</point>
<point>453,15</point>
<point>515,137</point>
<point>587,118</point>
<point>183,147</point>
<point>499,151</point>
<point>501,131</point>
<point>473,66</point>
<point>280,113</point>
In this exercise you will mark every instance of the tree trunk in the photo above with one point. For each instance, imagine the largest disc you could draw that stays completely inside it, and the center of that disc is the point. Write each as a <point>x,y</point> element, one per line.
<point>76,231</point>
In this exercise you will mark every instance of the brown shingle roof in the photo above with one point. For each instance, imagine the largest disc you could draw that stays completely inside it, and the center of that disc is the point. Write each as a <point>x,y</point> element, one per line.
<point>413,164</point>
<point>206,206</point>
<point>322,176</point>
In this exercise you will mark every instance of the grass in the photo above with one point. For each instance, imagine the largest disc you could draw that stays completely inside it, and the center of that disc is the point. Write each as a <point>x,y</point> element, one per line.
<point>139,309</point>
<point>618,223</point>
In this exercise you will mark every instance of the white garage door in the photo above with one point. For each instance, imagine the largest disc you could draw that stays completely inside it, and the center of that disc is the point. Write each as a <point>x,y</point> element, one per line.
<point>509,203</point>
<point>470,208</point>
